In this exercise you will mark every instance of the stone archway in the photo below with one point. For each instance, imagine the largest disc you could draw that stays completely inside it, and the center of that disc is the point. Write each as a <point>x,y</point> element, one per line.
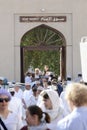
<point>52,39</point>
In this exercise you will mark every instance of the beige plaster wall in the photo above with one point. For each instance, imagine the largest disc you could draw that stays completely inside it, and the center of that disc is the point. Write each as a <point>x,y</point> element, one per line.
<point>10,35</point>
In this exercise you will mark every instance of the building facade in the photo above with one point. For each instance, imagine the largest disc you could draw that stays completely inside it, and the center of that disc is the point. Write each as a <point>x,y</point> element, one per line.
<point>18,17</point>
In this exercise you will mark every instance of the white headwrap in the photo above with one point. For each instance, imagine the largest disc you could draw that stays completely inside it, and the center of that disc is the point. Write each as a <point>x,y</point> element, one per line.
<point>53,95</point>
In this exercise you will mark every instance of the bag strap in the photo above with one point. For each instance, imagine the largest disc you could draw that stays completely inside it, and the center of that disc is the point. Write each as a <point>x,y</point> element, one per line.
<point>3,125</point>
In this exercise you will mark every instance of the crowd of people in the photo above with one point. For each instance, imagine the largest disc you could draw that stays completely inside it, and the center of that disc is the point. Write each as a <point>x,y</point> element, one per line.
<point>44,104</point>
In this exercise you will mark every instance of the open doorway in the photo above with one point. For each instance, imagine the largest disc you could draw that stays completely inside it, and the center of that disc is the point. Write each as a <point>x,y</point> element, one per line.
<point>43,45</point>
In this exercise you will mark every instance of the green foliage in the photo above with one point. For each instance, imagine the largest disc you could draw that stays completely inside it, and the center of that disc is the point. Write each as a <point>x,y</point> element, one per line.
<point>40,58</point>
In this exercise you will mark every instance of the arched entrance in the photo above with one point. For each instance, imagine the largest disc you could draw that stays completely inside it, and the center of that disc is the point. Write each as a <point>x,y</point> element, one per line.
<point>46,39</point>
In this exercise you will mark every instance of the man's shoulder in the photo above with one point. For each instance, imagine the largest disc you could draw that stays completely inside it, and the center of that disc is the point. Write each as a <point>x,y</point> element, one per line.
<point>68,122</point>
